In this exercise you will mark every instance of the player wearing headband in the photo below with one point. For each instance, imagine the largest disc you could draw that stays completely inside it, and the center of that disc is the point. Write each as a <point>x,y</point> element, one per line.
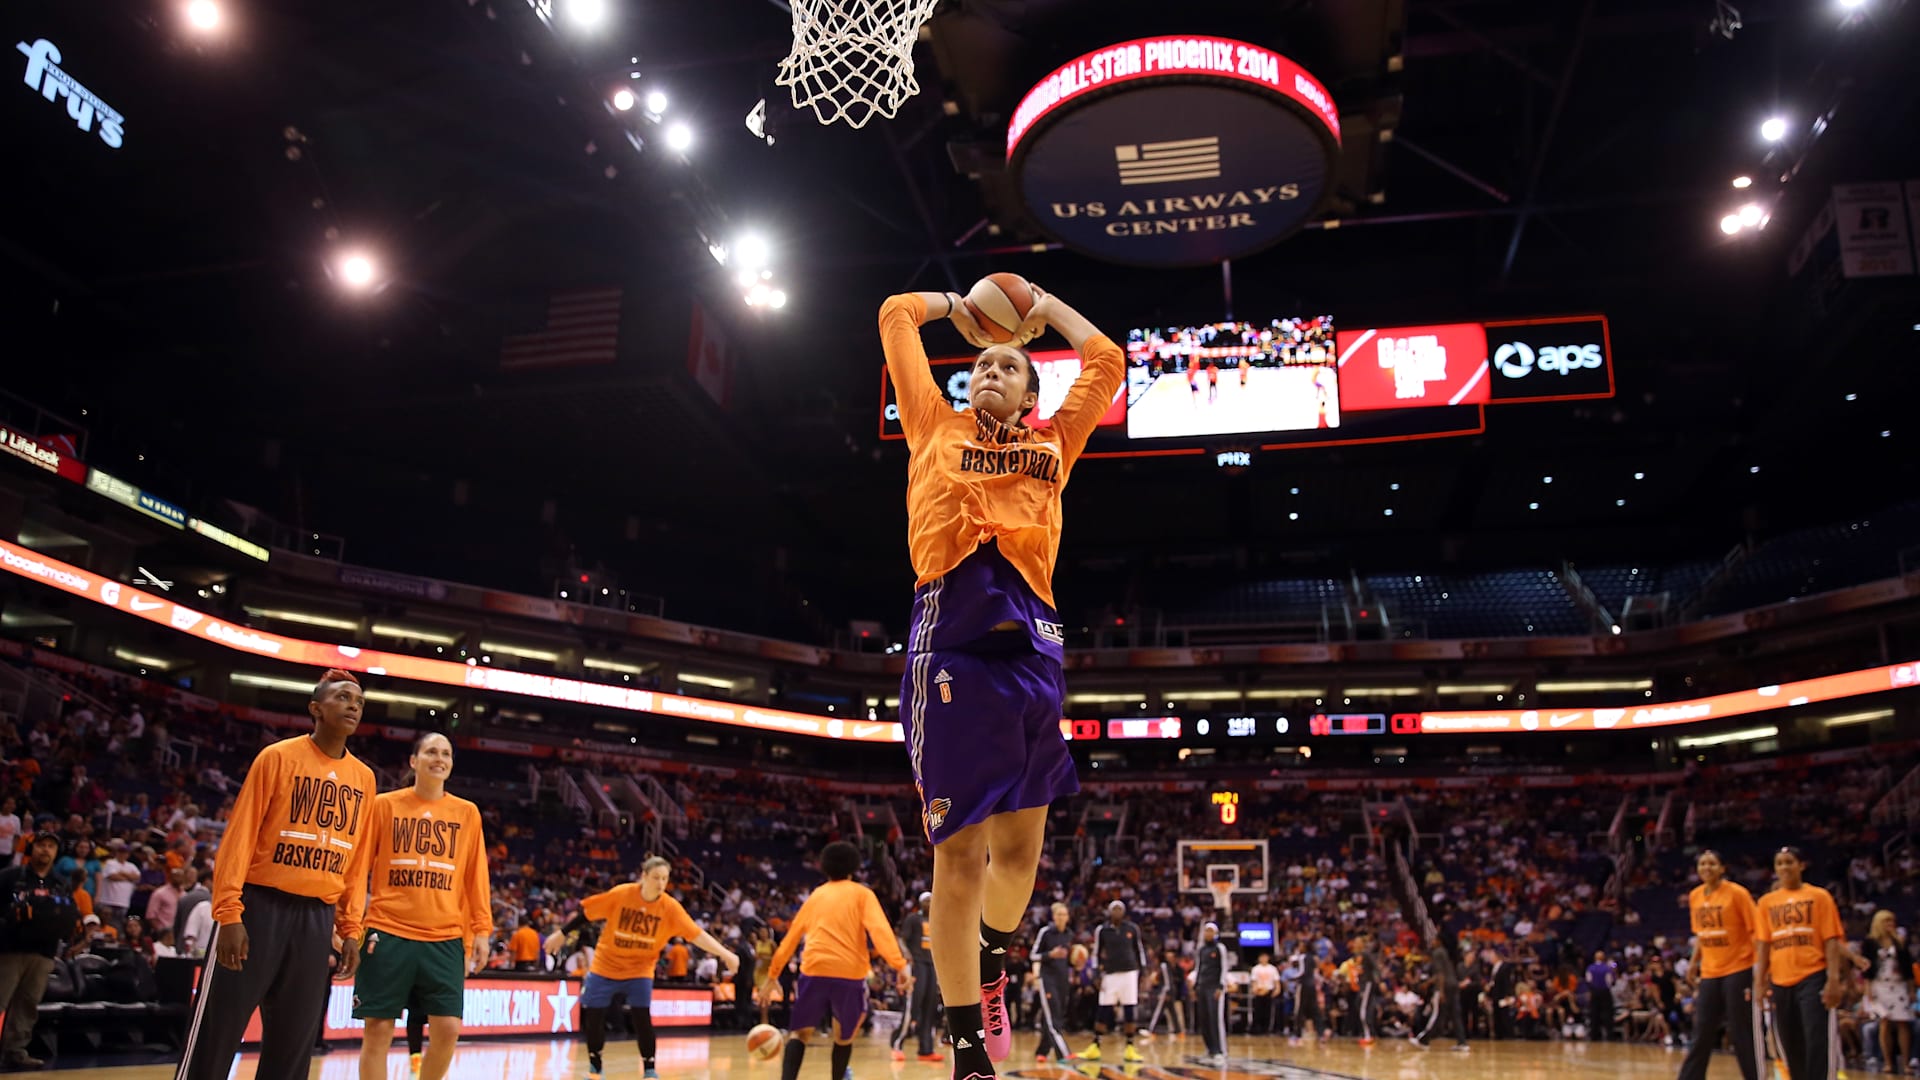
<point>983,692</point>
<point>298,835</point>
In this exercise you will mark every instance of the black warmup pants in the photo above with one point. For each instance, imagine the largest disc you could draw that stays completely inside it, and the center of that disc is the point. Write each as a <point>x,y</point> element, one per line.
<point>920,1010</point>
<point>1805,1028</point>
<point>290,939</point>
<point>1212,1020</point>
<point>1721,1004</point>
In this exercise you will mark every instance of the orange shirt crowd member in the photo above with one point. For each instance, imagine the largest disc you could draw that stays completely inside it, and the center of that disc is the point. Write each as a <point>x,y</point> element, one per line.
<point>524,947</point>
<point>640,919</point>
<point>983,690</point>
<point>837,921</point>
<point>1801,947</point>
<point>677,960</point>
<point>297,836</point>
<point>430,913</point>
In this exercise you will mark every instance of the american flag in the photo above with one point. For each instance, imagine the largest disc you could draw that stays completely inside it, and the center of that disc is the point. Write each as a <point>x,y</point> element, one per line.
<point>583,327</point>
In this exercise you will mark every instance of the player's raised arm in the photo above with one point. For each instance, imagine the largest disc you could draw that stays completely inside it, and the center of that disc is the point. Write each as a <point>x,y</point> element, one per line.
<point>1103,369</point>
<point>914,390</point>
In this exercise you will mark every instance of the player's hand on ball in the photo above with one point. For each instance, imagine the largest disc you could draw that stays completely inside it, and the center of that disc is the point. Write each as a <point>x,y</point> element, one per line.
<point>230,946</point>
<point>1035,324</point>
<point>963,321</point>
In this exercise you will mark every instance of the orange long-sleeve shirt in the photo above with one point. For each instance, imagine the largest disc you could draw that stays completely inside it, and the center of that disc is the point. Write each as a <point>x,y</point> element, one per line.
<point>837,921</point>
<point>429,866</point>
<point>1724,924</point>
<point>300,825</point>
<point>637,929</point>
<point>971,478</point>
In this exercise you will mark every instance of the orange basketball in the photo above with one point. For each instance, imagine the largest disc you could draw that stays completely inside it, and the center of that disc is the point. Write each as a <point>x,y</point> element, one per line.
<point>999,303</point>
<point>765,1042</point>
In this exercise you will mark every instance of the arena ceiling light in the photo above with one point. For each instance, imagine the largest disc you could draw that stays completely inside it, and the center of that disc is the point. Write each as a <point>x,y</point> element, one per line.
<point>304,618</point>
<point>356,270</point>
<point>1203,695</point>
<point>1774,128</point>
<point>1383,691</point>
<point>270,682</point>
<point>1743,182</point>
<point>1691,742</point>
<point>395,698</point>
<point>587,14</point>
<point>522,652</point>
<point>1473,688</point>
<point>623,99</point>
<point>154,662</point>
<point>1846,719</point>
<point>714,681</point>
<point>594,663</point>
<point>679,138</point>
<point>204,15</point>
<point>1101,699</point>
<point>657,102</point>
<point>409,633</point>
<point>1292,692</point>
<point>1581,685</point>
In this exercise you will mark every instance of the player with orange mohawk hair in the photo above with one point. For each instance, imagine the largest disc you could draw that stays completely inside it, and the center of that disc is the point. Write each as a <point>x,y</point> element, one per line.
<point>283,885</point>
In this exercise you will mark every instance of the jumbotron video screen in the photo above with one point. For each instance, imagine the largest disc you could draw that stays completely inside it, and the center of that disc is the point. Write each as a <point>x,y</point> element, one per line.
<point>1232,378</point>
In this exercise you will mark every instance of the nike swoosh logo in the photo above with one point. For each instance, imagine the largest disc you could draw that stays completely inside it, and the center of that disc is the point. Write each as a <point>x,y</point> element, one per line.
<point>146,605</point>
<point>862,731</point>
<point>1556,720</point>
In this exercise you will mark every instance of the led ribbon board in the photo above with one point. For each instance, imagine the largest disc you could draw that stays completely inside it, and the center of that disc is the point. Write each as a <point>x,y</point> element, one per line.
<point>29,564</point>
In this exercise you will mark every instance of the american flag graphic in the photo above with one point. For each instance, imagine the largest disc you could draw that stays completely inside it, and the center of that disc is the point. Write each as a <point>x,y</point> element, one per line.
<point>1166,162</point>
<point>583,328</point>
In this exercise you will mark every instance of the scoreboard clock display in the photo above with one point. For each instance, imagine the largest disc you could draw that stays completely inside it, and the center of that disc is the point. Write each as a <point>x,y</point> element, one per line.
<point>1227,804</point>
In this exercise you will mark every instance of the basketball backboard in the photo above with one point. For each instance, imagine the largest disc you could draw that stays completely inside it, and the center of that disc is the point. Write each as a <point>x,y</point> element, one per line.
<point>1243,862</point>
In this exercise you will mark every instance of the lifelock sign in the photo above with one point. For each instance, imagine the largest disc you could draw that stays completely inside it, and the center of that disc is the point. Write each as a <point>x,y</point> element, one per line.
<point>44,76</point>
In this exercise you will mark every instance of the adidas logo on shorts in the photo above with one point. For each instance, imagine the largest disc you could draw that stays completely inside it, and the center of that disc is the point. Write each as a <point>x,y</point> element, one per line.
<point>943,677</point>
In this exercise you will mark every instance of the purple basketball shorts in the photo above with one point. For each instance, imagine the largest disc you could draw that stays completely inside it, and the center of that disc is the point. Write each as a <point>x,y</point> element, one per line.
<point>983,732</point>
<point>820,996</point>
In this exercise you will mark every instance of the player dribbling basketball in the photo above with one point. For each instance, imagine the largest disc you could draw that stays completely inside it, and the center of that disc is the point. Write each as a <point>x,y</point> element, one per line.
<point>982,695</point>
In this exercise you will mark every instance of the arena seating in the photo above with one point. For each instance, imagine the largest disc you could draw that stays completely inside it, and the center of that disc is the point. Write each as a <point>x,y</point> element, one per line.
<point>1508,603</point>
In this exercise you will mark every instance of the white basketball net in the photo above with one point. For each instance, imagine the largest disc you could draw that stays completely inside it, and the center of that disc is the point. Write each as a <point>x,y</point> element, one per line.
<point>853,58</point>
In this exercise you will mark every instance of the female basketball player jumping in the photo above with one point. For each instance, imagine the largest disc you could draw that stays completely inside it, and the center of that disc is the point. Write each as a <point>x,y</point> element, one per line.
<point>982,696</point>
<point>429,913</point>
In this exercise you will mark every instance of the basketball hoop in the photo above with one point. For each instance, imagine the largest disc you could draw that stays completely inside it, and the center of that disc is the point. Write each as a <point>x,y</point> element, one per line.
<point>1222,894</point>
<point>853,58</point>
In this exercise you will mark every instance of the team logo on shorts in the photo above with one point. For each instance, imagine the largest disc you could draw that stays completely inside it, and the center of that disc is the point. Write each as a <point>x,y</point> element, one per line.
<point>936,813</point>
<point>1050,631</point>
<point>945,682</point>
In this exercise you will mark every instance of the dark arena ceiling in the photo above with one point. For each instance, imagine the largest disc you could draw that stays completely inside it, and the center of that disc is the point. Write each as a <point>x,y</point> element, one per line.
<point>179,296</point>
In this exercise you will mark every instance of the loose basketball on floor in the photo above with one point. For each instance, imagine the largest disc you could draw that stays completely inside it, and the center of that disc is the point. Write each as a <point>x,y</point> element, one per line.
<point>764,1042</point>
<point>999,303</point>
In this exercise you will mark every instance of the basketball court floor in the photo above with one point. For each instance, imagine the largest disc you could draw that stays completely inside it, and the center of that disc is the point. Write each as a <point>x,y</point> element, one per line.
<point>1274,399</point>
<point>696,1057</point>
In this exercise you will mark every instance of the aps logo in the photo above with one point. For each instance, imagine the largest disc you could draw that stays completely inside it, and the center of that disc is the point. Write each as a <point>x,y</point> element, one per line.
<point>1517,359</point>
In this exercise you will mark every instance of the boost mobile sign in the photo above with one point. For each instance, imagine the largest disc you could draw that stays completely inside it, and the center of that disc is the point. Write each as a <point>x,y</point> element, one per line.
<point>1550,359</point>
<point>44,76</point>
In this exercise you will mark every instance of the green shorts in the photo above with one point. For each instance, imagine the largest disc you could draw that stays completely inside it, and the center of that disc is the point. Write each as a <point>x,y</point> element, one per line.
<point>397,972</point>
